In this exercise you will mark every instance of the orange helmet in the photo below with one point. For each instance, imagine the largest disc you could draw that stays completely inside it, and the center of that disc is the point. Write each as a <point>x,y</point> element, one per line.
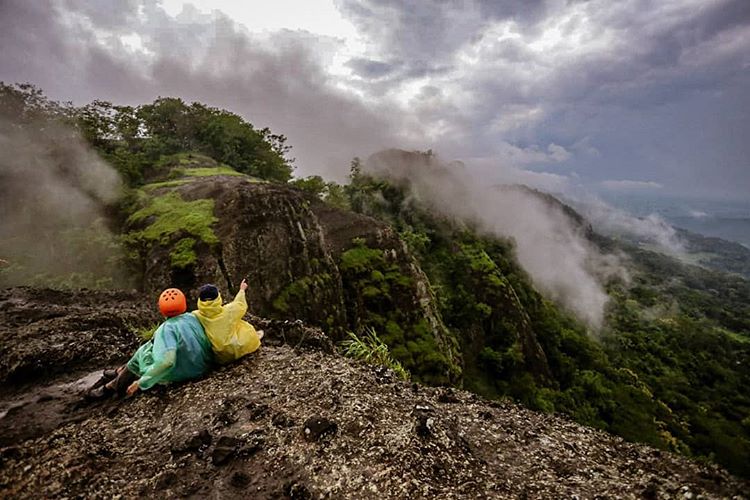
<point>172,302</point>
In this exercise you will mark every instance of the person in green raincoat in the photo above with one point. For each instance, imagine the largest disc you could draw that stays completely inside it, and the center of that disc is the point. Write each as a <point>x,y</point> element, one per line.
<point>179,350</point>
<point>231,337</point>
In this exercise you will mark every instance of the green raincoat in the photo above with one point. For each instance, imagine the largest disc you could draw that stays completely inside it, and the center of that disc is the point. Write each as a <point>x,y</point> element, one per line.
<point>231,337</point>
<point>179,350</point>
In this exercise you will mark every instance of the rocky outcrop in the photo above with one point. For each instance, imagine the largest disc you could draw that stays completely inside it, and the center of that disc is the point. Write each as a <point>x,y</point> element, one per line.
<point>290,248</point>
<point>295,420</point>
<point>400,305</point>
<point>46,332</point>
<point>267,234</point>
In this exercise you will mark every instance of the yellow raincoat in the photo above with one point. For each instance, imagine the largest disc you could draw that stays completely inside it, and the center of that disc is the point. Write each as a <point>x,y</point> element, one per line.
<point>231,337</point>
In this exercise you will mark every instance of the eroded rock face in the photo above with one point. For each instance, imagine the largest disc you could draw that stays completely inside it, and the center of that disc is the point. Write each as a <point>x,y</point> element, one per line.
<point>242,432</point>
<point>268,235</point>
<point>289,247</point>
<point>408,302</point>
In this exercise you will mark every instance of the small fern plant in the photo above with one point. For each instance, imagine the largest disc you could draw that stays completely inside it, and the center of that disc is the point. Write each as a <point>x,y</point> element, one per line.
<point>370,349</point>
<point>143,332</point>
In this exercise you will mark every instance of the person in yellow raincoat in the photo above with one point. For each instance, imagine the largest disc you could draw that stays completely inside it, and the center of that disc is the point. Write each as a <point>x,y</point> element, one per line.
<point>231,337</point>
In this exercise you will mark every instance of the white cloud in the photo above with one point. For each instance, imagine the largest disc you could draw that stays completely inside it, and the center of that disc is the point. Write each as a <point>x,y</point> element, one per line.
<point>531,155</point>
<point>550,245</point>
<point>615,222</point>
<point>495,170</point>
<point>629,185</point>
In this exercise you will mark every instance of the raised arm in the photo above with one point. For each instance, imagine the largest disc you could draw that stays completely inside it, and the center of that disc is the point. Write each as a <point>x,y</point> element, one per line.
<point>238,307</point>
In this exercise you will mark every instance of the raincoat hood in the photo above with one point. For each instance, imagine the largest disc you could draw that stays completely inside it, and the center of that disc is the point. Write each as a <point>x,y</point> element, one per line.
<point>211,308</point>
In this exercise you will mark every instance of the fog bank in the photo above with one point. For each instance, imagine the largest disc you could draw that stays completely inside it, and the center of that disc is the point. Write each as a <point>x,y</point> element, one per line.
<point>551,245</point>
<point>53,193</point>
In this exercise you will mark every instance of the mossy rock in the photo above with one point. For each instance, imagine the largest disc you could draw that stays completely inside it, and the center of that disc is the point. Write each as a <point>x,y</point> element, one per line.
<point>382,296</point>
<point>169,214</point>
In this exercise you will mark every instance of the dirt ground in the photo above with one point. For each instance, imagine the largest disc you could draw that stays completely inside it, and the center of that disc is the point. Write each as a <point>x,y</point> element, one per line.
<point>294,420</point>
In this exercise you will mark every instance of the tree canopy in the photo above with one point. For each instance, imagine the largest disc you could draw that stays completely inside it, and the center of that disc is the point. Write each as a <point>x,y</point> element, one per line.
<point>132,138</point>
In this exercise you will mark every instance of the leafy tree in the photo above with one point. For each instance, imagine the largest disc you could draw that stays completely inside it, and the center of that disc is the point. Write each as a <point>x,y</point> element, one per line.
<point>313,184</point>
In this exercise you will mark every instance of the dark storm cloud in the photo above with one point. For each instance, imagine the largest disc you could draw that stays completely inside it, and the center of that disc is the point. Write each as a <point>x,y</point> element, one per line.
<point>530,76</point>
<point>426,31</point>
<point>368,68</point>
<point>421,33</point>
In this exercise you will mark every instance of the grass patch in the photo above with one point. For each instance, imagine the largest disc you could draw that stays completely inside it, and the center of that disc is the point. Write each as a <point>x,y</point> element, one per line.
<point>210,171</point>
<point>183,253</point>
<point>172,183</point>
<point>144,332</point>
<point>361,259</point>
<point>187,160</point>
<point>170,216</point>
<point>735,336</point>
<point>370,349</point>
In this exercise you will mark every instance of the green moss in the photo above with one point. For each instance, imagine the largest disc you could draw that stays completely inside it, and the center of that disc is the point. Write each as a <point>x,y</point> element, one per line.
<point>172,183</point>
<point>395,276</point>
<point>394,331</point>
<point>381,296</point>
<point>183,165</point>
<point>213,171</point>
<point>371,291</point>
<point>173,215</point>
<point>483,309</point>
<point>298,291</point>
<point>361,259</point>
<point>183,253</point>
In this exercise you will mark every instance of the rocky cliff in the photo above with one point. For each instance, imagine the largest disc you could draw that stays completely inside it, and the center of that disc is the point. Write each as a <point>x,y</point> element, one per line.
<point>198,222</point>
<point>294,420</point>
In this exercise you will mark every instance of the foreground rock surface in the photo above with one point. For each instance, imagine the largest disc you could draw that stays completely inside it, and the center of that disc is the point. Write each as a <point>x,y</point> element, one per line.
<point>295,420</point>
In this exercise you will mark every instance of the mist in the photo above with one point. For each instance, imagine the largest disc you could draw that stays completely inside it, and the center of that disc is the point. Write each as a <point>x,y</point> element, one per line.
<point>53,195</point>
<point>614,222</point>
<point>550,245</point>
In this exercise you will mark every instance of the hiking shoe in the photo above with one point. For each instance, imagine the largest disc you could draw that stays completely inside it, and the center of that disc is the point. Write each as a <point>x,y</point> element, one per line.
<point>106,377</point>
<point>123,381</point>
<point>98,393</point>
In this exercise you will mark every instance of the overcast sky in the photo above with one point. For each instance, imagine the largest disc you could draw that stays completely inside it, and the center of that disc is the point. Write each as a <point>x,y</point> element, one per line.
<point>618,95</point>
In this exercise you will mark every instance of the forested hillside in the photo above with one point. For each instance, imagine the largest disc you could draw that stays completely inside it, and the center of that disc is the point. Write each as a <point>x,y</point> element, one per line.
<point>669,367</point>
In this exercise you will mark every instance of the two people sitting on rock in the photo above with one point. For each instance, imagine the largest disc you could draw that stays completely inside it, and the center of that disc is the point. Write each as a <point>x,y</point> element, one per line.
<point>185,345</point>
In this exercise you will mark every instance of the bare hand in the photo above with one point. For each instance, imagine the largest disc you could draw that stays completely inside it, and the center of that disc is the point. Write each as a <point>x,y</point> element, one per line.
<point>133,388</point>
<point>243,285</point>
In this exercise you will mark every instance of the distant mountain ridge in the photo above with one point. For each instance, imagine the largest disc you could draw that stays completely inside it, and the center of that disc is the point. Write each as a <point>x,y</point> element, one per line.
<point>717,253</point>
